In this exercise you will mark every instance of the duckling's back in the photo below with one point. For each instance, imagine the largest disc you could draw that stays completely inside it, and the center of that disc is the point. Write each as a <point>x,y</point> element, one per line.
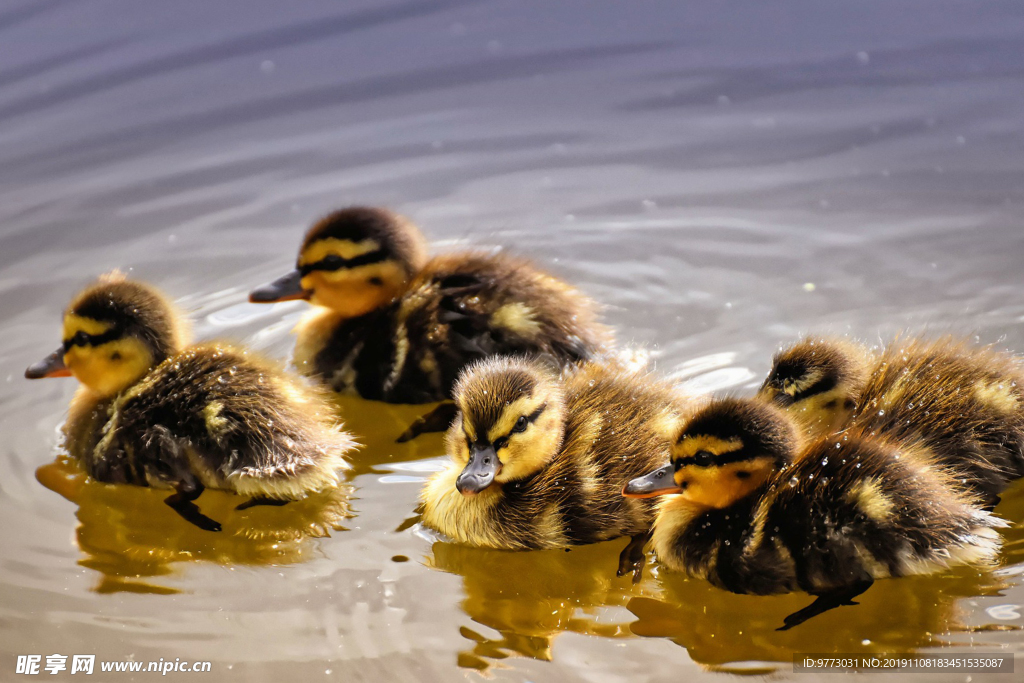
<point>860,503</point>
<point>460,308</point>
<point>618,426</point>
<point>967,403</point>
<point>230,420</point>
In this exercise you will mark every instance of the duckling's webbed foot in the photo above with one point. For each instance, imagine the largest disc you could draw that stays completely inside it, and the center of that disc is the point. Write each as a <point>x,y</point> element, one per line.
<point>253,502</point>
<point>181,502</point>
<point>824,603</point>
<point>632,558</point>
<point>437,420</point>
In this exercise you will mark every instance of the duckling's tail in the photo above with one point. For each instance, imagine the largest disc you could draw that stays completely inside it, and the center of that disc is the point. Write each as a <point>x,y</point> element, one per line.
<point>289,475</point>
<point>978,544</point>
<point>982,544</point>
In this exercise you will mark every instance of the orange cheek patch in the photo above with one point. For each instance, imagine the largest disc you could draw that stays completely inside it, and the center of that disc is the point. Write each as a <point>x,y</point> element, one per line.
<point>356,291</point>
<point>720,487</point>
<point>99,369</point>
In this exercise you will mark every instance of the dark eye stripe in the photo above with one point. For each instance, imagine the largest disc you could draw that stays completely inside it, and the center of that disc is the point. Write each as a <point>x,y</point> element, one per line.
<point>530,419</point>
<point>335,262</point>
<point>83,339</point>
<point>716,460</point>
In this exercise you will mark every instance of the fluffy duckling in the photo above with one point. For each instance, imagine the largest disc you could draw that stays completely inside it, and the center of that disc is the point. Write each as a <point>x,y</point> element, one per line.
<point>757,512</point>
<point>966,401</point>
<point>395,326</point>
<point>539,460</point>
<point>818,381</point>
<point>152,413</point>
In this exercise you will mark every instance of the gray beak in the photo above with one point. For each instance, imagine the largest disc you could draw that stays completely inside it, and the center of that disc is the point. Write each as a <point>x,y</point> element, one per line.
<point>51,366</point>
<point>657,483</point>
<point>284,288</point>
<point>479,472</point>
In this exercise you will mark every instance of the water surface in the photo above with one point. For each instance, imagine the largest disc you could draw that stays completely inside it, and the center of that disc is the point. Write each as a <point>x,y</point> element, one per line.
<point>723,176</point>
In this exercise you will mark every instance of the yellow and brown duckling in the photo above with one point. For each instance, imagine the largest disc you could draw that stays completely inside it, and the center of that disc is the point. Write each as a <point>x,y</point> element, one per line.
<point>152,412</point>
<point>758,512</point>
<point>538,460</point>
<point>966,401</point>
<point>818,381</point>
<point>393,325</point>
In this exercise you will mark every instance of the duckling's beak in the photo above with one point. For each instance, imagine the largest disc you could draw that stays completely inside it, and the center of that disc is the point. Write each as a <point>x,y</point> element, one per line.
<point>51,366</point>
<point>657,483</point>
<point>479,472</point>
<point>285,288</point>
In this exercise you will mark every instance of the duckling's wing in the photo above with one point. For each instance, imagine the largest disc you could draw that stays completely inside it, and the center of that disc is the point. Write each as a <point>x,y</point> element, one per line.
<point>470,304</point>
<point>275,451</point>
<point>459,307</point>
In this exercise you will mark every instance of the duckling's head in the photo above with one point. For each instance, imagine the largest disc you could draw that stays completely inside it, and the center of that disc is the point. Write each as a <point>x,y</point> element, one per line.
<point>115,331</point>
<point>352,261</point>
<point>726,451</point>
<point>818,381</point>
<point>509,424</point>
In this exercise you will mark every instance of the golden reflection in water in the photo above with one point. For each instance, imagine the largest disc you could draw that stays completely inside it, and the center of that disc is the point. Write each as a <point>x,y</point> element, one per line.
<point>528,598</point>
<point>128,533</point>
<point>1012,509</point>
<point>902,615</point>
<point>376,425</point>
<point>719,628</point>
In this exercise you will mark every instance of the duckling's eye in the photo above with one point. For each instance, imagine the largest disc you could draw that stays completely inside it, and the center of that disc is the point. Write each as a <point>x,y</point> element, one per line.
<point>80,339</point>
<point>375,281</point>
<point>332,262</point>
<point>521,424</point>
<point>703,459</point>
<point>500,443</point>
<point>116,355</point>
<point>742,474</point>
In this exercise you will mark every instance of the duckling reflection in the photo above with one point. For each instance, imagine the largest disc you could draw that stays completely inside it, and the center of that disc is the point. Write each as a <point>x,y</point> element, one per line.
<point>376,424</point>
<point>530,598</point>
<point>126,538</point>
<point>1012,509</point>
<point>720,629</point>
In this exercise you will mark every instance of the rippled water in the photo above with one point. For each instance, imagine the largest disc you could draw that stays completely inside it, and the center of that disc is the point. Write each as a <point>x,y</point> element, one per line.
<point>722,175</point>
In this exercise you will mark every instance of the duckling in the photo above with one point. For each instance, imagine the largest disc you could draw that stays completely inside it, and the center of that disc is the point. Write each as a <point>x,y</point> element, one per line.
<point>966,401</point>
<point>818,381</point>
<point>538,460</point>
<point>393,325</point>
<point>151,412</point>
<point>759,512</point>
